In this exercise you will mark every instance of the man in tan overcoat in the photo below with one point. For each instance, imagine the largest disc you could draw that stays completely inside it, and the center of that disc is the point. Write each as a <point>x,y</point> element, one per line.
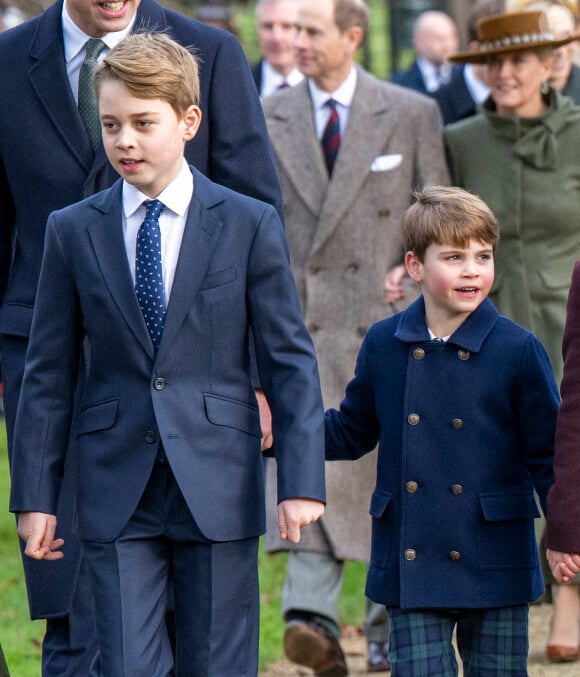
<point>343,234</point>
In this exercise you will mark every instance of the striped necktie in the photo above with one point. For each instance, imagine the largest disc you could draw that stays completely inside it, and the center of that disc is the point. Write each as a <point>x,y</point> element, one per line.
<point>331,137</point>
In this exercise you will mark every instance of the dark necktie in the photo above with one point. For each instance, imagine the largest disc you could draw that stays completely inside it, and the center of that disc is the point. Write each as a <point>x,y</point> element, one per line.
<point>331,137</point>
<point>283,85</point>
<point>148,271</point>
<point>87,99</point>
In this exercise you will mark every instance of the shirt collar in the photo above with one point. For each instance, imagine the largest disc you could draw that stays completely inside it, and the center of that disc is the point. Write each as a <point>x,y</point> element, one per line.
<point>470,335</point>
<point>176,196</point>
<point>275,79</point>
<point>343,95</point>
<point>75,38</point>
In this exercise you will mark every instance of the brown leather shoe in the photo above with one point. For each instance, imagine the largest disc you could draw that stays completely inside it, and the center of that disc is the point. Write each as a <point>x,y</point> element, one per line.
<point>312,644</point>
<point>562,654</point>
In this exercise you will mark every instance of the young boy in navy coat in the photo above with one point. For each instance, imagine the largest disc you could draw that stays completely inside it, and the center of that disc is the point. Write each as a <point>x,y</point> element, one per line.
<point>463,404</point>
<point>160,277</point>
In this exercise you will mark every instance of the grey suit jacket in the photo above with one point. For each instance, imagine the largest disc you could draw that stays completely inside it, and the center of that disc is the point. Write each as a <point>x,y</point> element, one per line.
<point>343,236</point>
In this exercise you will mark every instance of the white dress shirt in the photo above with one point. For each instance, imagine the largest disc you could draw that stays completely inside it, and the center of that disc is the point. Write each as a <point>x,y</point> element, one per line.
<point>271,79</point>
<point>176,198</point>
<point>343,97</point>
<point>432,76</point>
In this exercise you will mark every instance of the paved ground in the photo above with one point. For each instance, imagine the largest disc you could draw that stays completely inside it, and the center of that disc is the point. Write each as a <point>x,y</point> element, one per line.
<point>355,647</point>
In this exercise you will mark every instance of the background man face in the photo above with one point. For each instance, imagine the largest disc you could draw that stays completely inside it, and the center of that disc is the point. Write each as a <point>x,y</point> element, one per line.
<point>276,28</point>
<point>99,18</point>
<point>435,37</point>
<point>562,24</point>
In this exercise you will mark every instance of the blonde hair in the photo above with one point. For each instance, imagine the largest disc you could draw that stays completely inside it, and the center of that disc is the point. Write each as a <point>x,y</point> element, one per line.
<point>442,215</point>
<point>153,66</point>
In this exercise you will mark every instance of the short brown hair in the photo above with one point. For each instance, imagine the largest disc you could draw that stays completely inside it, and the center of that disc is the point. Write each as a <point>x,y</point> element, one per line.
<point>349,13</point>
<point>153,66</point>
<point>442,215</point>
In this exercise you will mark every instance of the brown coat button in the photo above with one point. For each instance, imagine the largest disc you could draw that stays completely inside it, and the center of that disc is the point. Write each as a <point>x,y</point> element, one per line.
<point>456,489</point>
<point>463,354</point>
<point>411,487</point>
<point>454,555</point>
<point>457,423</point>
<point>410,555</point>
<point>413,419</point>
<point>418,353</point>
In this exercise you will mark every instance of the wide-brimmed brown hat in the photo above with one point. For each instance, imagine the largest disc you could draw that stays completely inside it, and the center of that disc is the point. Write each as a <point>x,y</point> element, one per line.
<point>514,32</point>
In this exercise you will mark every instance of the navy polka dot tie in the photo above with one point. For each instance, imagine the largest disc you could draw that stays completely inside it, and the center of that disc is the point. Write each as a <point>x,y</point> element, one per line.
<point>148,271</point>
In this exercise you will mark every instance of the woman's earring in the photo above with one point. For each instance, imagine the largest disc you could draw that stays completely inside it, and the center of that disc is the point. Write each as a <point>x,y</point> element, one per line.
<point>545,88</point>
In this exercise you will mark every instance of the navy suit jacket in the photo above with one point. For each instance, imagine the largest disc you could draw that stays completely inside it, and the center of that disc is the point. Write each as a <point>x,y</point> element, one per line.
<point>47,162</point>
<point>195,395</point>
<point>454,99</point>
<point>257,74</point>
<point>412,78</point>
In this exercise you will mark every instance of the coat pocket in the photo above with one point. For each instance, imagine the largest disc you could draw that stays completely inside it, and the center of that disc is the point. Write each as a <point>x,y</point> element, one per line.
<point>506,531</point>
<point>99,416</point>
<point>382,513</point>
<point>231,413</point>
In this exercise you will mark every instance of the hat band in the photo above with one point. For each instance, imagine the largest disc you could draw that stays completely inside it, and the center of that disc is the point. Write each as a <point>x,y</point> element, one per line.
<point>516,41</point>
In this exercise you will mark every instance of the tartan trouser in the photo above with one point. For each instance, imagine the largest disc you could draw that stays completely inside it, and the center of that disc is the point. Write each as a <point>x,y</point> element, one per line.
<point>491,642</point>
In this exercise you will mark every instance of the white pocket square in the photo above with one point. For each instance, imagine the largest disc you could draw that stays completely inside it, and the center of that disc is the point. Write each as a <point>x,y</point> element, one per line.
<point>382,163</point>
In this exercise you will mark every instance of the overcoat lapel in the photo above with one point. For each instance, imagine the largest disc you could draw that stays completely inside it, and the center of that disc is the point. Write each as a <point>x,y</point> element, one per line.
<point>292,124</point>
<point>49,80</point>
<point>107,238</point>
<point>366,135</point>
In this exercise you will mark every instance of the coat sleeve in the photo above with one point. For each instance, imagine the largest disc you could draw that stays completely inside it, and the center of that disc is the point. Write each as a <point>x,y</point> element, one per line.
<point>563,519</point>
<point>430,167</point>
<point>286,364</point>
<point>46,401</point>
<point>241,156</point>
<point>353,430</point>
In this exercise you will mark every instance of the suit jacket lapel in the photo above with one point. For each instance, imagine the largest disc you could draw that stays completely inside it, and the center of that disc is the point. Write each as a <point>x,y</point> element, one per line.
<point>109,246</point>
<point>365,137</point>
<point>291,125</point>
<point>200,238</point>
<point>50,82</point>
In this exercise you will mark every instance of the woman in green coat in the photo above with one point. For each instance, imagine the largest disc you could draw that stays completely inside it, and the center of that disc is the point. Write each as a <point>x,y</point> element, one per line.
<point>521,154</point>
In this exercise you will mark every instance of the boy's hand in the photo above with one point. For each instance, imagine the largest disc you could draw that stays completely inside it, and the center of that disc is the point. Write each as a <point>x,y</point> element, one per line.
<point>265,420</point>
<point>295,513</point>
<point>37,530</point>
<point>564,565</point>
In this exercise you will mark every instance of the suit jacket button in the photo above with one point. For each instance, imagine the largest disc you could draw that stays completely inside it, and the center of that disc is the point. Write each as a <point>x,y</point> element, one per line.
<point>456,489</point>
<point>313,328</point>
<point>361,331</point>
<point>411,487</point>
<point>454,555</point>
<point>413,419</point>
<point>410,554</point>
<point>457,423</point>
<point>150,436</point>
<point>418,353</point>
<point>159,383</point>
<point>463,354</point>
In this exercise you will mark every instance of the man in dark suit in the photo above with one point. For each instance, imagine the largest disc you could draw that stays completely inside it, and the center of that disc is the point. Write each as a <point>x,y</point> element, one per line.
<point>434,39</point>
<point>161,276</point>
<point>46,162</point>
<point>276,69</point>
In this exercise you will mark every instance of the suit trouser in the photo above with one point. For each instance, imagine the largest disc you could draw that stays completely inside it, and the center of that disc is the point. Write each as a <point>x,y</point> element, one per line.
<point>58,591</point>
<point>313,583</point>
<point>215,587</point>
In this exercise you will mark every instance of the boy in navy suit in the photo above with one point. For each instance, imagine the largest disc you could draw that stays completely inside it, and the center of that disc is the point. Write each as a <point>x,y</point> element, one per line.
<point>160,277</point>
<point>463,404</point>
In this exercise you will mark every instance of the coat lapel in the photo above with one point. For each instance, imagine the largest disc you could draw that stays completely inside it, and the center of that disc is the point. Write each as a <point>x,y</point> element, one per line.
<point>369,127</point>
<point>200,238</point>
<point>291,126</point>
<point>107,237</point>
<point>49,80</point>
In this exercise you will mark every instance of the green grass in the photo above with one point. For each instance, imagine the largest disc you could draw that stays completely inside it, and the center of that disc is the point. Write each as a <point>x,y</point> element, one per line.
<point>21,638</point>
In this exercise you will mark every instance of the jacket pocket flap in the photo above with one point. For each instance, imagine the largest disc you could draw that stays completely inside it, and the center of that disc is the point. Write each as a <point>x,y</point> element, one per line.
<point>502,508</point>
<point>556,277</point>
<point>16,319</point>
<point>98,416</point>
<point>218,279</point>
<point>233,414</point>
<point>379,503</point>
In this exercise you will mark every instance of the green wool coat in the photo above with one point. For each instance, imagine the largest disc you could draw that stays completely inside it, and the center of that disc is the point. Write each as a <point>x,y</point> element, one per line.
<point>528,172</point>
